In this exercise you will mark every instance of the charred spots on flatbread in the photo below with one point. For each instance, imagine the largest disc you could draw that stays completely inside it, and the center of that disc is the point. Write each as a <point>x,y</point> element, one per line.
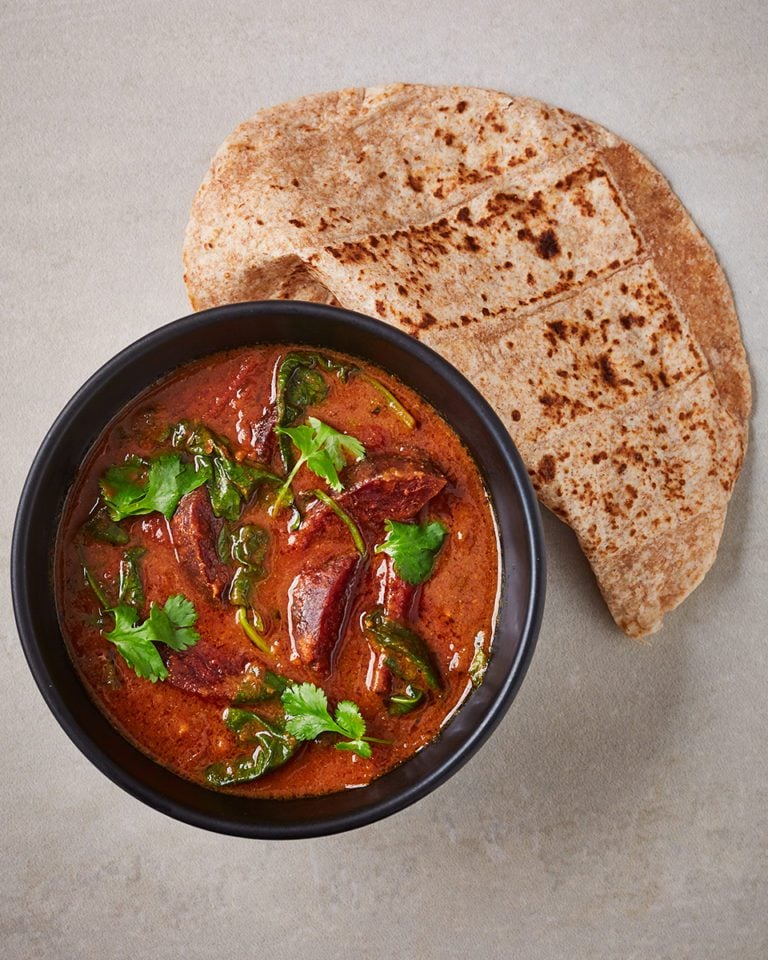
<point>633,281</point>
<point>630,320</point>
<point>547,468</point>
<point>547,245</point>
<point>607,373</point>
<point>416,183</point>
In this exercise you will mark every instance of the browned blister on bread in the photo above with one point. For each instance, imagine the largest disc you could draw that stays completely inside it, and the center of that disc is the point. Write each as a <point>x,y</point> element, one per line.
<point>546,259</point>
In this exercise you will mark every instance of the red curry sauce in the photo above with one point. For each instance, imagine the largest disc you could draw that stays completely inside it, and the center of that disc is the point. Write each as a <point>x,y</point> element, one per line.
<point>178,722</point>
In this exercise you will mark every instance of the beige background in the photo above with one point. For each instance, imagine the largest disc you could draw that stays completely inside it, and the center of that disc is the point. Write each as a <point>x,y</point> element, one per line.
<point>621,810</point>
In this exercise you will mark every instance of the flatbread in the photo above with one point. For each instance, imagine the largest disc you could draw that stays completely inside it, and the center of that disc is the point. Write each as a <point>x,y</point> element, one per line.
<point>547,260</point>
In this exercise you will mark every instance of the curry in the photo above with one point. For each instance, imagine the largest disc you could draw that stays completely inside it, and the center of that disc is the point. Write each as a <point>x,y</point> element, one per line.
<point>277,572</point>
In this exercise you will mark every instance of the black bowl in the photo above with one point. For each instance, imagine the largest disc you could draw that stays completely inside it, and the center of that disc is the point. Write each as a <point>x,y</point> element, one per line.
<point>118,382</point>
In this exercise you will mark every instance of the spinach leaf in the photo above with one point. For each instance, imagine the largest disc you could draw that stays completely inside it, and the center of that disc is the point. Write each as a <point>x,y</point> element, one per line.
<point>247,546</point>
<point>407,654</point>
<point>258,687</point>
<point>100,526</point>
<point>253,630</point>
<point>130,589</point>
<point>274,746</point>
<point>404,702</point>
<point>230,482</point>
<point>479,663</point>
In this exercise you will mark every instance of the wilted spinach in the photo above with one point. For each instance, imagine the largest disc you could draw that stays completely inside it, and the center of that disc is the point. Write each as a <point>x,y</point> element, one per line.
<point>230,482</point>
<point>273,747</point>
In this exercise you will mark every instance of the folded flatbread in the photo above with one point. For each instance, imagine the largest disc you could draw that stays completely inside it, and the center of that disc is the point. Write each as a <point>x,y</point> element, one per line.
<point>545,258</point>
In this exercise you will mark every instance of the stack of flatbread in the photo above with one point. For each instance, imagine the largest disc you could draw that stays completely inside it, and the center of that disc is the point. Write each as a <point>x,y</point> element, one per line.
<point>548,261</point>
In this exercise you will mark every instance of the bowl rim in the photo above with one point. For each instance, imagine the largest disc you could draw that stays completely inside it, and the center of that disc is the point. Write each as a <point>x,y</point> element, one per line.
<point>56,701</point>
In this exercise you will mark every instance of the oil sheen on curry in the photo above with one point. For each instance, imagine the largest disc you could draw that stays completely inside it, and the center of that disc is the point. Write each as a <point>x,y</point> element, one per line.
<point>277,572</point>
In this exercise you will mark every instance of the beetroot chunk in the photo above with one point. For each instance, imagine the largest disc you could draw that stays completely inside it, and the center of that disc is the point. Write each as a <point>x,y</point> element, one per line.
<point>398,599</point>
<point>378,489</point>
<point>396,596</point>
<point>389,488</point>
<point>317,606</point>
<point>209,671</point>
<point>254,418</point>
<point>379,677</point>
<point>195,532</point>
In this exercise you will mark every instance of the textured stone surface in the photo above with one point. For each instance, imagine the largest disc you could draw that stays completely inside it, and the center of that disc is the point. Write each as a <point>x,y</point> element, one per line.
<point>621,810</point>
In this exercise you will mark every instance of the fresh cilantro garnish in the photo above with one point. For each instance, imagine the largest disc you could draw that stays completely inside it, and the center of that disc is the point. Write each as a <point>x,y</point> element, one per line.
<point>323,449</point>
<point>171,624</point>
<point>143,486</point>
<point>307,716</point>
<point>299,385</point>
<point>413,548</point>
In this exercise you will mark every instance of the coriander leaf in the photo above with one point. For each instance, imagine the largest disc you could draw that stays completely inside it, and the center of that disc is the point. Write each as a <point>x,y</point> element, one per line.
<point>171,624</point>
<point>141,486</point>
<point>321,463</point>
<point>336,443</point>
<point>307,716</point>
<point>306,711</point>
<point>168,481</point>
<point>181,611</point>
<point>135,647</point>
<point>349,719</point>
<point>323,449</point>
<point>303,437</point>
<point>413,548</point>
<point>361,747</point>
